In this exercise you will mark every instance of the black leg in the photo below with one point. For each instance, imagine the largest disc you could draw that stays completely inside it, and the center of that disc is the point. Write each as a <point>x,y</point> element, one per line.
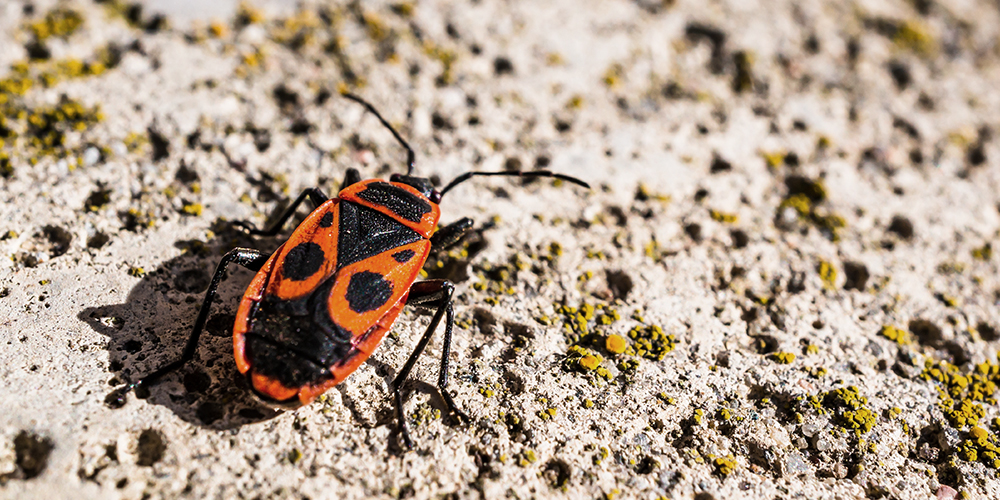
<point>246,257</point>
<point>350,178</point>
<point>314,195</point>
<point>450,234</point>
<point>427,294</point>
<point>439,292</point>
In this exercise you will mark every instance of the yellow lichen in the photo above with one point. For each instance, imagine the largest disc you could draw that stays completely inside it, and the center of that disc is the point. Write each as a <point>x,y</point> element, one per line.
<point>650,342</point>
<point>914,36</point>
<point>698,414</point>
<point>6,168</point>
<point>783,358</point>
<point>829,223</point>
<point>404,9</point>
<point>851,409</point>
<point>965,412</point>
<point>950,267</point>
<point>643,193</point>
<point>613,75</point>
<point>216,29</point>
<point>894,334</point>
<point>804,197</point>
<point>615,344</point>
<point>984,252</point>
<point>724,466</point>
<point>847,397</point>
<point>828,274</point>
<point>980,446</point>
<point>774,159</point>
<point>723,217</point>
<point>862,419</point>
<point>247,14</point>
<point>590,362</point>
<point>800,203</point>
<point>58,22</point>
<point>527,458</point>
<point>193,209</point>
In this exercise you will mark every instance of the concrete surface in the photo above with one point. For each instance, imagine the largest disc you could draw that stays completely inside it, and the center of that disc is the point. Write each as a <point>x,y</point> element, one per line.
<point>802,194</point>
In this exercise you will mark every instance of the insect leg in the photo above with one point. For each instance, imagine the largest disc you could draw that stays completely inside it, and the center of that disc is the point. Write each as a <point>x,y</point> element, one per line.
<point>314,195</point>
<point>438,293</point>
<point>433,293</point>
<point>246,257</point>
<point>351,177</point>
<point>450,234</point>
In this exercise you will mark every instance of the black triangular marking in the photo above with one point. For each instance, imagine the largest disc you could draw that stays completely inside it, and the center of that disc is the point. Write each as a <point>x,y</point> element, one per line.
<point>402,202</point>
<point>365,232</point>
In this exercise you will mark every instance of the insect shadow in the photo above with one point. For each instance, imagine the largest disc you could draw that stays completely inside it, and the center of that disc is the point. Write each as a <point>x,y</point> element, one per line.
<point>151,327</point>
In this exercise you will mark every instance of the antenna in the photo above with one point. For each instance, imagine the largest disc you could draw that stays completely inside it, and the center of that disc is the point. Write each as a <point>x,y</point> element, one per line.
<point>533,173</point>
<point>409,151</point>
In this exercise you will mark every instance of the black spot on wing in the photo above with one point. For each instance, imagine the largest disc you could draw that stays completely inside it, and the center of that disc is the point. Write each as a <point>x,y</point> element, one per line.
<point>296,341</point>
<point>302,261</point>
<point>364,232</point>
<point>403,256</point>
<point>326,220</point>
<point>368,291</point>
<point>402,202</point>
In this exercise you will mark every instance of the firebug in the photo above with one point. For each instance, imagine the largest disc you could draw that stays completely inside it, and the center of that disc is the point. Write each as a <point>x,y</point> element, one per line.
<point>322,302</point>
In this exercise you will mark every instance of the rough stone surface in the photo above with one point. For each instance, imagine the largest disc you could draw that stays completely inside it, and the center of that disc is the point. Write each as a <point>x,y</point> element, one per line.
<point>774,184</point>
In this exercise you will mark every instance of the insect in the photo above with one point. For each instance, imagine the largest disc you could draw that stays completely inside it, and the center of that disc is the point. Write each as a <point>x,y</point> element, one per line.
<point>322,302</point>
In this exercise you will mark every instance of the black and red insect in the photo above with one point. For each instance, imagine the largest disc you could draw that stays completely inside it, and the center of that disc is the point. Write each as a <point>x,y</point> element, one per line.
<point>321,303</point>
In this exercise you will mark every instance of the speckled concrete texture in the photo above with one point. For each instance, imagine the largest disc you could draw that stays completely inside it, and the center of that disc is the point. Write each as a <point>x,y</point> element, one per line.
<point>783,283</point>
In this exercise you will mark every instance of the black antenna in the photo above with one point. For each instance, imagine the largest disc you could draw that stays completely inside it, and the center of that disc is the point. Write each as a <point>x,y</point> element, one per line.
<point>533,173</point>
<point>409,152</point>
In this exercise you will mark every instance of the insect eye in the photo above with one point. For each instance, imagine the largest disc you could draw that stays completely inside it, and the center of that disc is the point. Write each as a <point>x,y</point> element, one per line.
<point>418,183</point>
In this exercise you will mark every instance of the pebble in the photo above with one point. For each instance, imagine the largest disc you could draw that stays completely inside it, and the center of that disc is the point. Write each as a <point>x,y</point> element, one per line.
<point>91,156</point>
<point>796,463</point>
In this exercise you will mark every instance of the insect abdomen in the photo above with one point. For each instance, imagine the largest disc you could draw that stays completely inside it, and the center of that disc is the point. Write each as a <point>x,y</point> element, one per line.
<point>295,341</point>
